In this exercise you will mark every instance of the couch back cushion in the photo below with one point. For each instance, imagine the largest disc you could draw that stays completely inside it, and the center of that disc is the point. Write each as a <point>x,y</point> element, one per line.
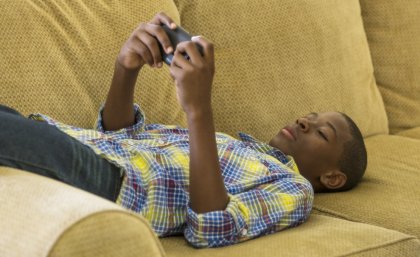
<point>393,32</point>
<point>278,60</point>
<point>57,57</point>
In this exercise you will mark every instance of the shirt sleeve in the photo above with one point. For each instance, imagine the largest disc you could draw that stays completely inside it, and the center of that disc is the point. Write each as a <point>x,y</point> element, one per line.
<point>263,210</point>
<point>138,125</point>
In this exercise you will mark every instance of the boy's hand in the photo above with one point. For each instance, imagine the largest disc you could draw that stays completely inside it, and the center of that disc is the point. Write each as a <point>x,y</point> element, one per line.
<point>143,44</point>
<point>194,77</point>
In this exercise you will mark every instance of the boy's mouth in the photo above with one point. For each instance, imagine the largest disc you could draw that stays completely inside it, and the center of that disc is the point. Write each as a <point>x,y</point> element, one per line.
<point>289,132</point>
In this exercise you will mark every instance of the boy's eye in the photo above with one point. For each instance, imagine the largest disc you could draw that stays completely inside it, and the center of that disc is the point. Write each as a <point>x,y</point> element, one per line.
<point>323,135</point>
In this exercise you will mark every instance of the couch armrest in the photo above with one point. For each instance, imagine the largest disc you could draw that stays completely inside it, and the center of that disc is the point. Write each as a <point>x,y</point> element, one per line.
<point>43,217</point>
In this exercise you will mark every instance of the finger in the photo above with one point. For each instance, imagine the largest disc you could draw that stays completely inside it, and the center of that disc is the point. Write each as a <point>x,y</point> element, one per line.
<point>152,45</point>
<point>179,60</point>
<point>143,51</point>
<point>208,48</point>
<point>158,32</point>
<point>162,18</point>
<point>191,50</point>
<point>175,71</point>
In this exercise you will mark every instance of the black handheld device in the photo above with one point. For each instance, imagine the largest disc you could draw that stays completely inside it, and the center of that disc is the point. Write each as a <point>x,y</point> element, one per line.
<point>176,36</point>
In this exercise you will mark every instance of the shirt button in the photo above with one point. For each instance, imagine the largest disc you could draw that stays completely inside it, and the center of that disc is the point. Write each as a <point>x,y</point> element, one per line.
<point>244,232</point>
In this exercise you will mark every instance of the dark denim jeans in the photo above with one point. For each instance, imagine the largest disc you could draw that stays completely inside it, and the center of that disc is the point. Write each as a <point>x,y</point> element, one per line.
<point>45,150</point>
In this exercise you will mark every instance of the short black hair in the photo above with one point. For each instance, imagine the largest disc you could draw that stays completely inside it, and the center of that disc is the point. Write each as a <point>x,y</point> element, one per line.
<point>353,160</point>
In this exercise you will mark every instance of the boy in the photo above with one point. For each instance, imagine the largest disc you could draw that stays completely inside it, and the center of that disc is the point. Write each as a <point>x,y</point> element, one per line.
<point>214,189</point>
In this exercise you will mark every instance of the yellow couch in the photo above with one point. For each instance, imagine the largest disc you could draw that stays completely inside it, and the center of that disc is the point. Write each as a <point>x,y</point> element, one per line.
<point>275,60</point>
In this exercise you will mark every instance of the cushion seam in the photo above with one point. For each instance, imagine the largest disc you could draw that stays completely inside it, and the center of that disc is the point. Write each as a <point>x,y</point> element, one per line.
<point>367,249</point>
<point>335,214</point>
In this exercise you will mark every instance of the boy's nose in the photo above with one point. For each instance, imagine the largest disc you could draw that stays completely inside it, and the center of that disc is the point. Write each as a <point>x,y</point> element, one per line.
<point>303,124</point>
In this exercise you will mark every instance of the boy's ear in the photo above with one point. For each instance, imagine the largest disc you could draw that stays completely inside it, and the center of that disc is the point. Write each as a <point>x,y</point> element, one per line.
<point>334,179</point>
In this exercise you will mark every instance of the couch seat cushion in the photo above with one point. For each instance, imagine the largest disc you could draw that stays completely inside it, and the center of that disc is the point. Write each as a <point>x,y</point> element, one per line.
<point>389,194</point>
<point>319,236</point>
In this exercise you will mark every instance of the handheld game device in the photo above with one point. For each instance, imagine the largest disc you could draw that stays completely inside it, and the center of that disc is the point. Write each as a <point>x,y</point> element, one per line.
<point>176,36</point>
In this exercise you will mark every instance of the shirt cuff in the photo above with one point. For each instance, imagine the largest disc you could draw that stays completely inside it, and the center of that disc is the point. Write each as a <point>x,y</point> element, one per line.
<point>133,129</point>
<point>217,228</point>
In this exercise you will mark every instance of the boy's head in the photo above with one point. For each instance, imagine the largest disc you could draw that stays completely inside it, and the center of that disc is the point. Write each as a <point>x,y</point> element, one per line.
<point>328,149</point>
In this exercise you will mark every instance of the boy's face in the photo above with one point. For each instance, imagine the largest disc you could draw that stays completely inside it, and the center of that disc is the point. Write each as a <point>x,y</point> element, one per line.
<point>316,142</point>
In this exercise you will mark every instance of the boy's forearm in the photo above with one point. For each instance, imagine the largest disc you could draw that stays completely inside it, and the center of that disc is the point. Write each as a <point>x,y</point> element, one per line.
<point>207,190</point>
<point>141,48</point>
<point>118,111</point>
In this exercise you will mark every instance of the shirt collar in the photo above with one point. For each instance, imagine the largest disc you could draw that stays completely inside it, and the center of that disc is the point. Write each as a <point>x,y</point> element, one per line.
<point>265,148</point>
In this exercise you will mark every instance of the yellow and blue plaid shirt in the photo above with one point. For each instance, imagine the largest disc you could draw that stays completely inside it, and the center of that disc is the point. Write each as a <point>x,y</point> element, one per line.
<point>266,191</point>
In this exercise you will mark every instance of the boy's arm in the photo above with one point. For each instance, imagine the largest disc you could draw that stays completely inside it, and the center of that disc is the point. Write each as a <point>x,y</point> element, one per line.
<point>193,79</point>
<point>141,48</point>
<point>118,111</point>
<point>193,83</point>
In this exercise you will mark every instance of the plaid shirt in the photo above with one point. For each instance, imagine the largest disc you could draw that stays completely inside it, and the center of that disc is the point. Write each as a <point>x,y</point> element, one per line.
<point>266,191</point>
